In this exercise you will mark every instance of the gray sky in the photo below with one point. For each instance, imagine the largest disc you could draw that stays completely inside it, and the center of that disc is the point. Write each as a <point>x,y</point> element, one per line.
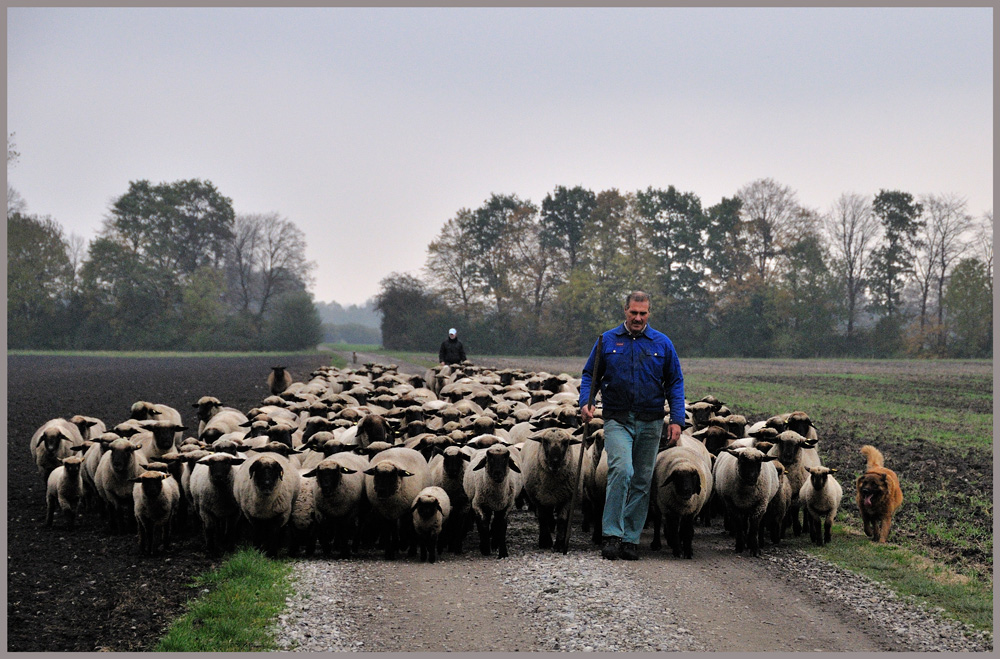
<point>369,128</point>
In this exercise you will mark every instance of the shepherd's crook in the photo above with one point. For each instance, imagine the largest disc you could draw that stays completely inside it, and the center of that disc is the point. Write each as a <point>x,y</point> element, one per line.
<point>595,383</point>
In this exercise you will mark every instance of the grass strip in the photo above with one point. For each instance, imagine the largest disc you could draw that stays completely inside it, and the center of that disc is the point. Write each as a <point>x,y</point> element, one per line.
<point>245,594</point>
<point>961,597</point>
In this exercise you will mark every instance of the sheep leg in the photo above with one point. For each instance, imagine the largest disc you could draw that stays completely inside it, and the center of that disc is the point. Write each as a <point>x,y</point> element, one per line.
<point>828,527</point>
<point>391,540</point>
<point>483,526</point>
<point>656,544</point>
<point>498,533</point>
<point>50,511</point>
<point>545,524</point>
<point>687,535</point>
<point>752,535</point>
<point>739,525</point>
<point>671,533</point>
<point>561,524</point>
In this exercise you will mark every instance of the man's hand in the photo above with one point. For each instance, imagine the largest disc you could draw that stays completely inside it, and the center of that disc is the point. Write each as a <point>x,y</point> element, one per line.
<point>673,434</point>
<point>587,413</point>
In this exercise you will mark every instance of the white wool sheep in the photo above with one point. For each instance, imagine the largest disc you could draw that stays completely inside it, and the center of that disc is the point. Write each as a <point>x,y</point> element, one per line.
<point>156,497</point>
<point>492,483</point>
<point>447,471</point>
<point>64,490</point>
<point>394,477</point>
<point>820,496</point>
<point>595,485</point>
<point>777,508</point>
<point>266,486</point>
<point>796,453</point>
<point>338,490</point>
<point>222,422</point>
<point>682,484</point>
<point>118,466</point>
<point>90,427</point>
<point>211,491</point>
<point>52,442</point>
<point>745,481</point>
<point>430,510</point>
<point>158,438</point>
<point>145,411</point>
<point>549,468</point>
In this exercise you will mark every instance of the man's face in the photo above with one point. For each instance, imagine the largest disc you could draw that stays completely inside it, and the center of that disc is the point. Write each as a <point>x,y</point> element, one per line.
<point>452,335</point>
<point>636,316</point>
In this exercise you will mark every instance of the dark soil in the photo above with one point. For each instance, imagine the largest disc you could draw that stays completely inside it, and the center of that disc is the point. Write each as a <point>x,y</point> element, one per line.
<point>83,589</point>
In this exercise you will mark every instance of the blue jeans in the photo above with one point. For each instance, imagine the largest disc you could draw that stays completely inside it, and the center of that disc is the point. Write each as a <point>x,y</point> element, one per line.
<point>632,449</point>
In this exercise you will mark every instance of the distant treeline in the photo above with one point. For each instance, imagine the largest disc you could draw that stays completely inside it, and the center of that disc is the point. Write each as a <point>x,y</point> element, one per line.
<point>351,324</point>
<point>755,275</point>
<point>173,268</point>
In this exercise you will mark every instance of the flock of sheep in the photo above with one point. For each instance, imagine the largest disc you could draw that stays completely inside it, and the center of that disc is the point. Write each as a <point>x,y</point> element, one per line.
<point>369,456</point>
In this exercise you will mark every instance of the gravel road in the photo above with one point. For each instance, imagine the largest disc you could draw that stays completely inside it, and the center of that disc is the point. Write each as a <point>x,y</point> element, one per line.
<point>535,600</point>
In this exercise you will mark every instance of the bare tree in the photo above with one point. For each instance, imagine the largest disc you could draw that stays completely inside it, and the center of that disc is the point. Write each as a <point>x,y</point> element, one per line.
<point>948,227</point>
<point>853,230</point>
<point>984,239</point>
<point>15,202</point>
<point>451,266</point>
<point>535,281</point>
<point>768,212</point>
<point>266,259</point>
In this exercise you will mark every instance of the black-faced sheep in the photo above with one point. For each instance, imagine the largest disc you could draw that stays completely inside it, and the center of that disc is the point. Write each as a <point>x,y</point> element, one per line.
<point>394,478</point>
<point>447,471</point>
<point>113,480</point>
<point>278,380</point>
<point>212,496</point>
<point>52,442</point>
<point>64,490</point>
<point>266,486</point>
<point>156,496</point>
<point>745,482</point>
<point>549,466</point>
<point>492,483</point>
<point>338,490</point>
<point>682,484</point>
<point>820,496</point>
<point>430,510</point>
<point>796,453</point>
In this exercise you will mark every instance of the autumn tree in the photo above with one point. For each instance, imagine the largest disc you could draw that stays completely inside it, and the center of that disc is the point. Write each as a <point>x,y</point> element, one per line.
<point>451,265</point>
<point>767,212</point>
<point>853,231</point>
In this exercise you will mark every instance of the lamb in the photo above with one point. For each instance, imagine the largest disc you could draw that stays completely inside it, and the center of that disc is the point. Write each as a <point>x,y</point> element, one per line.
<point>796,453</point>
<point>745,481</point>
<point>338,486</point>
<point>211,492</point>
<point>266,486</point>
<point>395,477</point>
<point>119,464</point>
<point>156,496</point>
<point>492,485</point>
<point>777,508</point>
<point>64,490</point>
<point>548,464</point>
<point>52,442</point>
<point>278,380</point>
<point>820,496</point>
<point>682,483</point>
<point>430,510</point>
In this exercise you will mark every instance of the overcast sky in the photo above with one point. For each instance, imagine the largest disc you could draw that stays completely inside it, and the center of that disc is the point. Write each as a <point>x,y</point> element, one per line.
<point>369,128</point>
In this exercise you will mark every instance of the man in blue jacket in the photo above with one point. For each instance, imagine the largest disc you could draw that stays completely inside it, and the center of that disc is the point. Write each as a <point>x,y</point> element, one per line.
<point>640,372</point>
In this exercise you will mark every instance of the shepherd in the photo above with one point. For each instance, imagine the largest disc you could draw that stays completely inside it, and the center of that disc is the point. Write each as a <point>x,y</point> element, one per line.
<point>452,351</point>
<point>641,372</point>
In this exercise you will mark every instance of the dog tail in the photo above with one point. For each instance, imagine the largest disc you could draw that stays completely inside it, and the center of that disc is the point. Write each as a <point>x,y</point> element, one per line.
<point>873,455</point>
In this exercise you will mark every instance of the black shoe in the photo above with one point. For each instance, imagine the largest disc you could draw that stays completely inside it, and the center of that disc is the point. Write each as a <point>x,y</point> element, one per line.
<point>629,551</point>
<point>612,548</point>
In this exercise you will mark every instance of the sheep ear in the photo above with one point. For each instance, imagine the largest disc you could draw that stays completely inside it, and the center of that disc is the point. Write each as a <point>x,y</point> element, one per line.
<point>513,465</point>
<point>195,405</point>
<point>768,458</point>
<point>833,471</point>
<point>809,443</point>
<point>405,473</point>
<point>80,447</point>
<point>309,474</point>
<point>135,480</point>
<point>574,441</point>
<point>480,464</point>
<point>348,470</point>
<point>466,456</point>
<point>437,504</point>
<point>369,472</point>
<point>254,468</point>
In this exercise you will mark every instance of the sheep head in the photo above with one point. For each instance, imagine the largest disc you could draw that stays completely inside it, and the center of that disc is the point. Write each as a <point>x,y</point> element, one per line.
<point>818,476</point>
<point>386,478</point>
<point>555,446</point>
<point>72,464</point>
<point>685,480</point>
<point>426,506</point>
<point>163,432</point>
<point>266,473</point>
<point>790,443</point>
<point>749,461</point>
<point>799,422</point>
<point>454,461</point>
<point>52,438</point>
<point>328,474</point>
<point>151,482</point>
<point>143,410</point>
<point>207,406</point>
<point>122,455</point>
<point>496,462</point>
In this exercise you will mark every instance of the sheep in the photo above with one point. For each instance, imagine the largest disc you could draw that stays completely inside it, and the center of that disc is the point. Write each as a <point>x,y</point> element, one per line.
<point>373,428</point>
<point>430,510</point>
<point>156,496</point>
<point>682,483</point>
<point>492,484</point>
<point>801,423</point>
<point>266,486</point>
<point>595,485</point>
<point>52,442</point>
<point>302,522</point>
<point>395,476</point>
<point>745,481</point>
<point>821,495</point>
<point>119,464</point>
<point>90,427</point>
<point>211,491</point>
<point>549,464</point>
<point>338,485</point>
<point>64,490</point>
<point>222,422</point>
<point>796,453</point>
<point>447,471</point>
<point>278,380</point>
<point>777,508</point>
<point>146,411</point>
<point>158,438</point>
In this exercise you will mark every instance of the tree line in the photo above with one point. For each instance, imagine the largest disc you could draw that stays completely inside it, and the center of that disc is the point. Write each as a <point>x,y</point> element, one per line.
<point>755,275</point>
<point>172,268</point>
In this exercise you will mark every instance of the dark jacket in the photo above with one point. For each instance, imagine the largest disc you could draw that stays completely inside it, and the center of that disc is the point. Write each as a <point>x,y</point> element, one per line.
<point>640,373</point>
<point>452,351</point>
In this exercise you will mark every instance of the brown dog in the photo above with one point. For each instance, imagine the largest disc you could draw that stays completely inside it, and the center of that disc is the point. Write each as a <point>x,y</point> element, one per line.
<point>879,495</point>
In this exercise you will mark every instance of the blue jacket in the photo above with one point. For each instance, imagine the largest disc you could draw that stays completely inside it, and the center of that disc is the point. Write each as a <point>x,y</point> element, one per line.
<point>639,374</point>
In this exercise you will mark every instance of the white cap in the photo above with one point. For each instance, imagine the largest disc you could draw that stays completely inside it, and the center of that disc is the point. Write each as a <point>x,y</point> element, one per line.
<point>452,331</point>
